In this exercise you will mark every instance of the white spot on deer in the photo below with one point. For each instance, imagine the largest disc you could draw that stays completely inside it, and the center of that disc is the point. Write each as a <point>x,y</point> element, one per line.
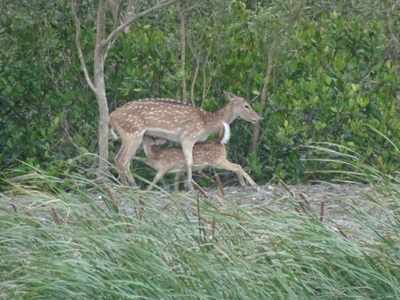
<point>227,133</point>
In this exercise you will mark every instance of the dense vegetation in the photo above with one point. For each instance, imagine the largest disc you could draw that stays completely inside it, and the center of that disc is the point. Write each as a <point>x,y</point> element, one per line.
<point>88,243</point>
<point>334,77</point>
<point>325,76</point>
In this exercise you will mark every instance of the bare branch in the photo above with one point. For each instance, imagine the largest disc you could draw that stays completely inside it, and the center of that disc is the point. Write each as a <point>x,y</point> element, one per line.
<point>393,40</point>
<point>107,49</point>
<point>130,11</point>
<point>114,6</point>
<point>206,82</point>
<point>272,56</point>
<point>134,17</point>
<point>264,95</point>
<point>195,75</point>
<point>182,18</point>
<point>78,47</point>
<point>99,50</point>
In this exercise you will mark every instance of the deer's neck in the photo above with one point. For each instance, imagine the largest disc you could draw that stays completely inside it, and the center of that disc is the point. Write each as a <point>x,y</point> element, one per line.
<point>224,115</point>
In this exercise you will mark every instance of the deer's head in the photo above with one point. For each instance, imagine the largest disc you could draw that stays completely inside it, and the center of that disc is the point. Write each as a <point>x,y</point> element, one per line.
<point>242,108</point>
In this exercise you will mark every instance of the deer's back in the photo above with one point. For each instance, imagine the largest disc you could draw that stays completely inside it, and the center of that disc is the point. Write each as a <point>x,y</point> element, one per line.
<point>155,113</point>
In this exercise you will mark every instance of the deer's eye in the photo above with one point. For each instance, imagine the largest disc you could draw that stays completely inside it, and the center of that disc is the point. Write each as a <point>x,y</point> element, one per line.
<point>246,106</point>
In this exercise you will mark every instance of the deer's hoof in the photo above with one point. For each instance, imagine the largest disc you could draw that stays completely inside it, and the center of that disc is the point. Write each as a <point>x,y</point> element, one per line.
<point>131,183</point>
<point>189,186</point>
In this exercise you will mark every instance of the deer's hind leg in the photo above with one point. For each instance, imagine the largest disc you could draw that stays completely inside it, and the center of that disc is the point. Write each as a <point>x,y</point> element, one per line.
<point>130,144</point>
<point>187,147</point>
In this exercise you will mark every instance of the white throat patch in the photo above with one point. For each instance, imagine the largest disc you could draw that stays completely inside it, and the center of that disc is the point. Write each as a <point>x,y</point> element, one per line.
<point>227,133</point>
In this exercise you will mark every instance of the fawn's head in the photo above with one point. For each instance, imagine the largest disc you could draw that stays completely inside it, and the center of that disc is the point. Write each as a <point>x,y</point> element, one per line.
<point>150,141</point>
<point>242,108</point>
<point>150,145</point>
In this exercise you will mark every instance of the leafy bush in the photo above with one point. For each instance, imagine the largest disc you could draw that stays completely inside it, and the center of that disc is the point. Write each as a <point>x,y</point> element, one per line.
<point>335,77</point>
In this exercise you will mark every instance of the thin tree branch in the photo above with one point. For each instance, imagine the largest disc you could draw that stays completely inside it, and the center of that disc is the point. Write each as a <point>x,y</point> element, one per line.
<point>182,18</point>
<point>99,50</point>
<point>78,47</point>
<point>263,97</point>
<point>196,73</point>
<point>198,58</point>
<point>277,42</point>
<point>130,11</point>
<point>133,18</point>
<point>114,6</point>
<point>203,94</point>
<point>389,24</point>
<point>107,49</point>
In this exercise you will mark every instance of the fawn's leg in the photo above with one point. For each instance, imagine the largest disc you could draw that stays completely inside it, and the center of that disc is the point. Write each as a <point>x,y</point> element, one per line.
<point>160,174</point>
<point>227,165</point>
<point>241,179</point>
<point>177,181</point>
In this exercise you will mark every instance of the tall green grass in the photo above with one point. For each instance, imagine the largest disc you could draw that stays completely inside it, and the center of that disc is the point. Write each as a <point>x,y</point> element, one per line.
<point>89,243</point>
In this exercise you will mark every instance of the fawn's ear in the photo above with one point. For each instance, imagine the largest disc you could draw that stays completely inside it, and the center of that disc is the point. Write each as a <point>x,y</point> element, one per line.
<point>229,95</point>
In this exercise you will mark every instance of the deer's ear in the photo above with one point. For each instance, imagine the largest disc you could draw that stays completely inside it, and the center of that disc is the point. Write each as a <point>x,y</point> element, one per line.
<point>229,95</point>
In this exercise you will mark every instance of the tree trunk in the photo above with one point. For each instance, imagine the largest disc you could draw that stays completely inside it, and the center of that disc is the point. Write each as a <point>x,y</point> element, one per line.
<point>101,97</point>
<point>102,132</point>
<point>102,46</point>
<point>255,140</point>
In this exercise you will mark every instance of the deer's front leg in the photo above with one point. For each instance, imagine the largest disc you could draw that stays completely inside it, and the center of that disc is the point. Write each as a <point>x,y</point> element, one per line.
<point>187,147</point>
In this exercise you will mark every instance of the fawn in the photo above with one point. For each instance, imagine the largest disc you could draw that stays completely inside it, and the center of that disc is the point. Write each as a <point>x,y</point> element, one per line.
<point>205,154</point>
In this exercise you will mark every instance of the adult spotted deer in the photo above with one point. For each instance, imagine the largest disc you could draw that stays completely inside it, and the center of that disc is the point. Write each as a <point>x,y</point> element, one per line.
<point>162,118</point>
<point>205,154</point>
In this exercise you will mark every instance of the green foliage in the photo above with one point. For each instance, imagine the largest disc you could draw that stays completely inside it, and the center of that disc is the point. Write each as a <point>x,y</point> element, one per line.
<point>43,100</point>
<point>335,76</point>
<point>336,84</point>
